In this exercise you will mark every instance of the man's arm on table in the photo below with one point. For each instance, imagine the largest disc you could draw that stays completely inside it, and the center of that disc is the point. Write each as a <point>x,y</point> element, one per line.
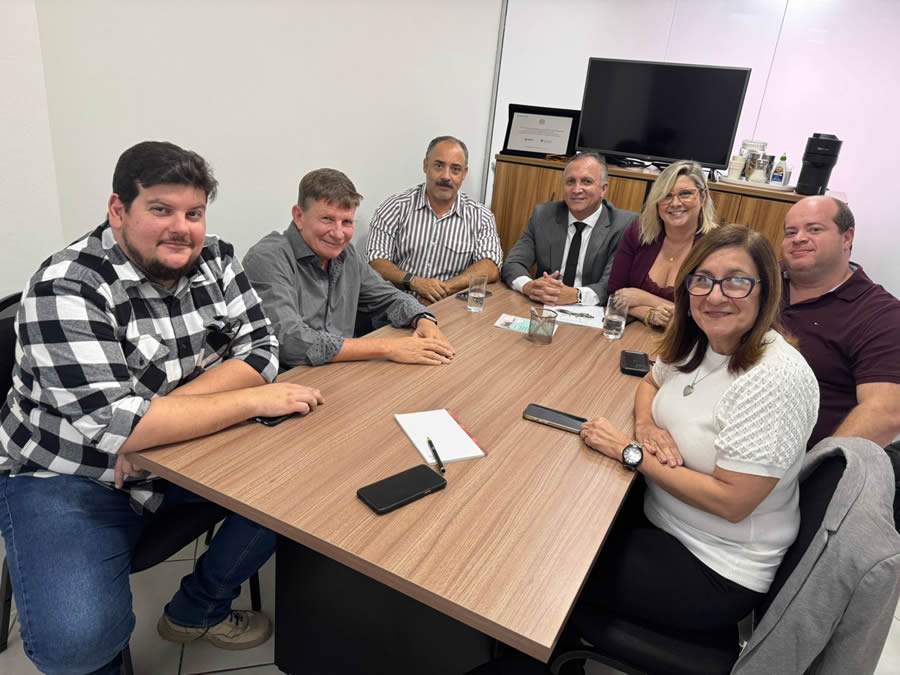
<point>171,419</point>
<point>876,415</point>
<point>431,290</point>
<point>300,344</point>
<point>516,272</point>
<point>381,299</point>
<point>231,391</point>
<point>485,267</point>
<point>381,247</point>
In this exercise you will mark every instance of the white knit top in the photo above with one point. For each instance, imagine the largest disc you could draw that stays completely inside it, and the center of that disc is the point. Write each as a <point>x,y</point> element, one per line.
<point>756,422</point>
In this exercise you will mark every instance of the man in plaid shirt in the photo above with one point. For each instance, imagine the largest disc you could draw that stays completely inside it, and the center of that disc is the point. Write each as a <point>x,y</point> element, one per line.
<point>144,332</point>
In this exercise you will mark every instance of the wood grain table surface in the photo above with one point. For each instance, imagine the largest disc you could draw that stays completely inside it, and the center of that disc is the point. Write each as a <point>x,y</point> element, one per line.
<point>506,547</point>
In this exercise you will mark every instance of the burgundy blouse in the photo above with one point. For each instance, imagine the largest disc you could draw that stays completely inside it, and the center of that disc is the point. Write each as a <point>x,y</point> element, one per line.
<point>631,267</point>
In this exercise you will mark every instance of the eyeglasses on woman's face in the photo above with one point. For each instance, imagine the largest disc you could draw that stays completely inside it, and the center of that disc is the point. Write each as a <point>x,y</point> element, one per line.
<point>732,287</point>
<point>685,196</point>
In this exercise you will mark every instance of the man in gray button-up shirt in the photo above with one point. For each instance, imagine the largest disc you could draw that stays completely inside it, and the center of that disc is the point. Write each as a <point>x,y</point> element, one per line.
<point>312,280</point>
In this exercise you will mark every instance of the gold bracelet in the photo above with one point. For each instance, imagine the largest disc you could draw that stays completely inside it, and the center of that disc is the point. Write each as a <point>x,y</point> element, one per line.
<point>648,316</point>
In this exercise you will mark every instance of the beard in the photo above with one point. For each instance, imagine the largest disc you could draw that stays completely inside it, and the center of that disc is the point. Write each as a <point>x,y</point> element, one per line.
<point>154,268</point>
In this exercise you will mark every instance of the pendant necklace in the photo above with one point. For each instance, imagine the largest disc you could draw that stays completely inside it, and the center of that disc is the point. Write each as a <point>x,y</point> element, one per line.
<point>689,388</point>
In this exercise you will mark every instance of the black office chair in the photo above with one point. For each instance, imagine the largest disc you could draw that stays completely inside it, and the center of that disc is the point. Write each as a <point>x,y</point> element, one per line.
<point>164,534</point>
<point>637,649</point>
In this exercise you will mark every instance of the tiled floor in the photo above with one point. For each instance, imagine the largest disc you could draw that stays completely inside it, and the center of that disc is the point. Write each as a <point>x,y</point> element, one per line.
<point>154,656</point>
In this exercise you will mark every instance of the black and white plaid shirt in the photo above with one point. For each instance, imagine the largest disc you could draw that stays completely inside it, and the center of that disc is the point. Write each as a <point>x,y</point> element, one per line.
<point>97,341</point>
<point>406,231</point>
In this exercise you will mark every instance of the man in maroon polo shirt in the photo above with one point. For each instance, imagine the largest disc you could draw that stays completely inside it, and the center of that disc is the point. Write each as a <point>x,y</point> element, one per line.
<point>848,327</point>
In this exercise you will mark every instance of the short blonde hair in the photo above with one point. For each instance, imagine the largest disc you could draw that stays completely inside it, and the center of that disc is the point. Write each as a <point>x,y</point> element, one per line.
<point>651,224</point>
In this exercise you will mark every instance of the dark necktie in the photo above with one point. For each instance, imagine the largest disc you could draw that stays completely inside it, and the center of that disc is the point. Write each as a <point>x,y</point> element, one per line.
<point>572,259</point>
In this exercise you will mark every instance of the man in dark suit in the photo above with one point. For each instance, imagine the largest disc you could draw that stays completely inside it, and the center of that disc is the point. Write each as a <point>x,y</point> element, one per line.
<point>573,242</point>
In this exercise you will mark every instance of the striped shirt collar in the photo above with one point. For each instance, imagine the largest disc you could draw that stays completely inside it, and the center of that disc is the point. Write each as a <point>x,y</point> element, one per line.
<point>421,202</point>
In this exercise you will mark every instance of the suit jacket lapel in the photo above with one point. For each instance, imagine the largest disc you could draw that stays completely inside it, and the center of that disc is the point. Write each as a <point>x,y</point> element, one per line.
<point>558,237</point>
<point>599,233</point>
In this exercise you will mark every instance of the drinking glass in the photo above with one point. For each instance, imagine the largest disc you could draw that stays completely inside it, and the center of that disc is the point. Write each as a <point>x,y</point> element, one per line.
<point>477,292</point>
<point>542,325</point>
<point>615,317</point>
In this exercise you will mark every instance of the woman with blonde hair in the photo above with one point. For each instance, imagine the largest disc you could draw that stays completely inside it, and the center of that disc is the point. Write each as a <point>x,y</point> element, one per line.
<point>678,211</point>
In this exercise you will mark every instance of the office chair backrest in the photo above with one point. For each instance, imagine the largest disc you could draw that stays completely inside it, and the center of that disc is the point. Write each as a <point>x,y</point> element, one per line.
<point>816,492</point>
<point>8,308</point>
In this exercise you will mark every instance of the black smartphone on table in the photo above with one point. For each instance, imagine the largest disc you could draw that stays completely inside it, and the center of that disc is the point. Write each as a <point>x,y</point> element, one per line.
<point>395,491</point>
<point>273,421</point>
<point>553,418</point>
<point>634,363</point>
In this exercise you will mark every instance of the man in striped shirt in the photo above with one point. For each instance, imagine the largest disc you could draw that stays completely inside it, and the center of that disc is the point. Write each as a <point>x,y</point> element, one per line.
<point>431,238</point>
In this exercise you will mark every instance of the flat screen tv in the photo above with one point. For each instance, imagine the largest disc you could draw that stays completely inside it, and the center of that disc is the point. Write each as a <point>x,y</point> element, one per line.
<point>661,111</point>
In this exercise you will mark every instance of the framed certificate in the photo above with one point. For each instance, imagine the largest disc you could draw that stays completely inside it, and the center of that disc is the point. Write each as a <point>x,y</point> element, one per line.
<point>533,131</point>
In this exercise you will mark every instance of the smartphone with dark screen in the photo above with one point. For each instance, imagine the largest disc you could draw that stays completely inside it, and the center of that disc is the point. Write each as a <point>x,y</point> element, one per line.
<point>273,421</point>
<point>400,489</point>
<point>634,363</point>
<point>553,418</point>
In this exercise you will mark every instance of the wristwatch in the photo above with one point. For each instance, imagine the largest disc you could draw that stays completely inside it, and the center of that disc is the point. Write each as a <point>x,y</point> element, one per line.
<point>424,315</point>
<point>632,455</point>
<point>407,281</point>
<point>580,299</point>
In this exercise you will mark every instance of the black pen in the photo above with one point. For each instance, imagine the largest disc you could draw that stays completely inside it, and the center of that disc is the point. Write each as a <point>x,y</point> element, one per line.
<point>436,456</point>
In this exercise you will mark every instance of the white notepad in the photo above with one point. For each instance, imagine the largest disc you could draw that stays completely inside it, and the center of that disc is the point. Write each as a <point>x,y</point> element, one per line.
<point>450,439</point>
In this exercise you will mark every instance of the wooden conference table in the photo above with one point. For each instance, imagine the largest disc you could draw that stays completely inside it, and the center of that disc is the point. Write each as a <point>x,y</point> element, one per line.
<point>503,550</point>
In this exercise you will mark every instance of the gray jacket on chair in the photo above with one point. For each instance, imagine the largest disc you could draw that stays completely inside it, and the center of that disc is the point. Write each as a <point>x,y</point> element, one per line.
<point>544,241</point>
<point>834,612</point>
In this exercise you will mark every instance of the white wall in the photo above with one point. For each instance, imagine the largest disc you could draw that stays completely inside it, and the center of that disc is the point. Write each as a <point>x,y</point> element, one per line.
<point>30,223</point>
<point>816,66</point>
<point>266,91</point>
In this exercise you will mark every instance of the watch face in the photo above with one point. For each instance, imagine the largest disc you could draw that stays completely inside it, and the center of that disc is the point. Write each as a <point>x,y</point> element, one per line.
<point>632,455</point>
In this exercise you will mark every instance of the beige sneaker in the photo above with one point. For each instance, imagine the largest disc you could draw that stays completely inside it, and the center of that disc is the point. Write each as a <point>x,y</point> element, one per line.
<point>242,629</point>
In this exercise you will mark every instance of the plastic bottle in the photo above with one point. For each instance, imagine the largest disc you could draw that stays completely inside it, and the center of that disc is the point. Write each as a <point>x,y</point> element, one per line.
<point>779,173</point>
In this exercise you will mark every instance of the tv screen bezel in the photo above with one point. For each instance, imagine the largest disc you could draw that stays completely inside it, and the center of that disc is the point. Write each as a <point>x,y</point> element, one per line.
<point>660,158</point>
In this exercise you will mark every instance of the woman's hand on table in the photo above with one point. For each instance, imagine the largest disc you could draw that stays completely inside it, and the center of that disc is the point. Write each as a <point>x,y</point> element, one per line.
<point>660,316</point>
<point>635,297</point>
<point>659,442</point>
<point>603,436</point>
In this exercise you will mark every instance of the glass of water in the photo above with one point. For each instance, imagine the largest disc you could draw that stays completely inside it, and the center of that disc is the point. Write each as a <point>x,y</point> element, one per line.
<point>542,325</point>
<point>477,292</point>
<point>614,318</point>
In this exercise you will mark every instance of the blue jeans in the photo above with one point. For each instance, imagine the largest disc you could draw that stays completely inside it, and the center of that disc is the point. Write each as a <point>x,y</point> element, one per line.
<point>69,542</point>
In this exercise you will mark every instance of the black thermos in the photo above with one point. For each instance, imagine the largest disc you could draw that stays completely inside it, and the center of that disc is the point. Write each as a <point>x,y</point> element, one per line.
<point>818,161</point>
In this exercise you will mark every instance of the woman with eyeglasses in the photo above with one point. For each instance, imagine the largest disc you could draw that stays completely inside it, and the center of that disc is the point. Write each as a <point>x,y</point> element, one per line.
<point>677,212</point>
<point>721,425</point>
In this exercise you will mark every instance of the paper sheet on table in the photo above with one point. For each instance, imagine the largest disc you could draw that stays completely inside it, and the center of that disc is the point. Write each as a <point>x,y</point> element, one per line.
<point>571,314</point>
<point>450,439</point>
<point>519,324</point>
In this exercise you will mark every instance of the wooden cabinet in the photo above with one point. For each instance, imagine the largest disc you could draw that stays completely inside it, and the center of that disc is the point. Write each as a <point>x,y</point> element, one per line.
<point>626,193</point>
<point>520,183</point>
<point>727,206</point>
<point>765,216</point>
<point>518,187</point>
